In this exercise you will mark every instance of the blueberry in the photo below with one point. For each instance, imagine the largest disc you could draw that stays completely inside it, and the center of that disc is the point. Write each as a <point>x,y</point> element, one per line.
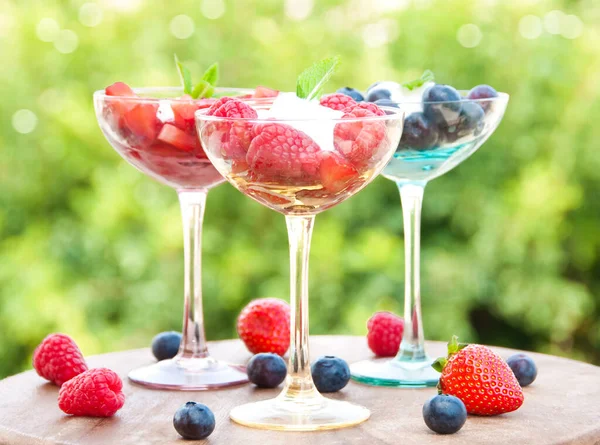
<point>444,414</point>
<point>354,94</point>
<point>166,345</point>
<point>483,92</point>
<point>418,133</point>
<point>378,93</point>
<point>266,370</point>
<point>523,367</point>
<point>444,114</point>
<point>470,122</point>
<point>386,103</point>
<point>330,374</point>
<point>194,421</point>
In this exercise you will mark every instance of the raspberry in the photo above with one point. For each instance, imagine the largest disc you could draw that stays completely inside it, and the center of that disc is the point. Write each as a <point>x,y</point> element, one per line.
<point>385,333</point>
<point>281,152</point>
<point>338,101</point>
<point>236,136</point>
<point>358,140</point>
<point>373,108</point>
<point>264,326</point>
<point>95,393</point>
<point>58,359</point>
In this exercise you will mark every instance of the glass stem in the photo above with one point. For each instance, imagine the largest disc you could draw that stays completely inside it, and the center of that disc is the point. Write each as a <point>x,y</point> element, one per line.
<point>193,343</point>
<point>412,347</point>
<point>299,383</point>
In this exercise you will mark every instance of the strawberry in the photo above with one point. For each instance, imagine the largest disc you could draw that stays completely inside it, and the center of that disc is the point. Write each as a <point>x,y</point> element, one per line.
<point>358,140</point>
<point>118,107</point>
<point>338,101</point>
<point>141,120</point>
<point>261,92</point>
<point>177,138</point>
<point>480,378</point>
<point>280,152</point>
<point>264,326</point>
<point>336,173</point>
<point>184,110</point>
<point>119,89</point>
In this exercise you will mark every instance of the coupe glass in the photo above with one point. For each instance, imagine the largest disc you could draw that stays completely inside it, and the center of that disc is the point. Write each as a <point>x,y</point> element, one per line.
<point>155,132</point>
<point>437,137</point>
<point>299,183</point>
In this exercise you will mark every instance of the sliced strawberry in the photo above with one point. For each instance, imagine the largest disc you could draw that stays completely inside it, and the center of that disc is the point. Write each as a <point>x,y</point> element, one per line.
<point>261,92</point>
<point>336,173</point>
<point>119,89</point>
<point>141,120</point>
<point>184,110</point>
<point>178,138</point>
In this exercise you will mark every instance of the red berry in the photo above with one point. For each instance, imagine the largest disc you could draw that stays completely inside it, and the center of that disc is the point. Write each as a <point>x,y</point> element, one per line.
<point>58,359</point>
<point>359,140</point>
<point>373,108</point>
<point>95,393</point>
<point>264,326</point>
<point>237,135</point>
<point>215,106</point>
<point>177,138</point>
<point>336,173</point>
<point>481,379</point>
<point>385,333</point>
<point>280,152</point>
<point>184,109</point>
<point>141,120</point>
<point>261,92</point>
<point>118,107</point>
<point>119,89</point>
<point>338,101</point>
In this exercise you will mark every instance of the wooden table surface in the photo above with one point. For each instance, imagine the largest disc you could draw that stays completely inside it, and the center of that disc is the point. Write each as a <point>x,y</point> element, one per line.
<point>561,407</point>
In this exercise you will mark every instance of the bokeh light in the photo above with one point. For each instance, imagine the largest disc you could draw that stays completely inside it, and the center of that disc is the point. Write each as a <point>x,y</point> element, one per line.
<point>212,9</point>
<point>66,42</point>
<point>24,121</point>
<point>47,29</point>
<point>182,26</point>
<point>469,35</point>
<point>571,27</point>
<point>90,14</point>
<point>298,9</point>
<point>552,21</point>
<point>530,26</point>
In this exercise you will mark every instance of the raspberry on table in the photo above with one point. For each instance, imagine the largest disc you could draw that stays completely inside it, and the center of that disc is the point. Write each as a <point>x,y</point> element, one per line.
<point>385,332</point>
<point>337,101</point>
<point>280,151</point>
<point>95,393</point>
<point>58,359</point>
<point>264,326</point>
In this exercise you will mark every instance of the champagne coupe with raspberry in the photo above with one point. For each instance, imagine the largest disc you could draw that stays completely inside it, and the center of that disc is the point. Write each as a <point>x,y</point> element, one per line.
<point>441,130</point>
<point>299,158</point>
<point>153,129</point>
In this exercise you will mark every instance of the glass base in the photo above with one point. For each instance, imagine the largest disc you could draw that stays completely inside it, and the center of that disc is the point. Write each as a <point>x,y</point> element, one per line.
<point>189,374</point>
<point>285,414</point>
<point>403,374</point>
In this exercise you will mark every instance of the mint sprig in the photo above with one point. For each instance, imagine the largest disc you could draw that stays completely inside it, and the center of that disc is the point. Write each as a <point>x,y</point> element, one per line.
<point>427,76</point>
<point>205,87</point>
<point>311,81</point>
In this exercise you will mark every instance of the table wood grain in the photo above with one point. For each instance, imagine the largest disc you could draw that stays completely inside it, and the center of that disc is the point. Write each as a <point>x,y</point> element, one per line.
<point>562,407</point>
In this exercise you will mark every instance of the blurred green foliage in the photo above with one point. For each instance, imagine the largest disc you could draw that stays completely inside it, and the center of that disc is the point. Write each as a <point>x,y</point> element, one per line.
<point>91,247</point>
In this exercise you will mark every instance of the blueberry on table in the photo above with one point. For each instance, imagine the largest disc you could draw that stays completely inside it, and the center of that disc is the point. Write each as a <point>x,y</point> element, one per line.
<point>523,367</point>
<point>266,370</point>
<point>354,94</point>
<point>444,414</point>
<point>445,113</point>
<point>483,92</point>
<point>194,421</point>
<point>330,374</point>
<point>166,345</point>
<point>418,133</point>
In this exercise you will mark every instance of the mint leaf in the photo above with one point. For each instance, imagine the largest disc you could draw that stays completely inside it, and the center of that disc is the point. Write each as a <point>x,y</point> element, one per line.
<point>185,75</point>
<point>312,80</point>
<point>203,89</point>
<point>211,75</point>
<point>427,76</point>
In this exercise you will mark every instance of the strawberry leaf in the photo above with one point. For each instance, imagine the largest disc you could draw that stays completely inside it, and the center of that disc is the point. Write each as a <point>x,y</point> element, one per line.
<point>211,75</point>
<point>427,76</point>
<point>312,80</point>
<point>185,75</point>
<point>439,364</point>
<point>203,89</point>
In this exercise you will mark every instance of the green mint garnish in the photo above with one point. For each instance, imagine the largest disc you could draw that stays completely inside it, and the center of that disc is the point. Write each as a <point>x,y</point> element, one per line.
<point>427,76</point>
<point>204,88</point>
<point>312,80</point>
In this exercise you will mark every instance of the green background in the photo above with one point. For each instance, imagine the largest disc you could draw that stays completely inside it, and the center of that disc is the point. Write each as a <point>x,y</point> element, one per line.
<point>511,241</point>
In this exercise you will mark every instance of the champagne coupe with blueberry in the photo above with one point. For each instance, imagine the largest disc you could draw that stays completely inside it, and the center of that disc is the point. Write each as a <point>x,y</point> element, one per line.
<point>153,129</point>
<point>300,157</point>
<point>442,128</point>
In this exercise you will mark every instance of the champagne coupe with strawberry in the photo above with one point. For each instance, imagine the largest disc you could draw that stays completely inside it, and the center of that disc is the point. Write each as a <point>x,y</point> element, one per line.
<point>153,129</point>
<point>299,157</point>
<point>443,127</point>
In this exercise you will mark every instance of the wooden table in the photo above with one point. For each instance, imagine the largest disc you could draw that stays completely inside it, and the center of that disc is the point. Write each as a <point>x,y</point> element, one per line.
<point>561,407</point>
